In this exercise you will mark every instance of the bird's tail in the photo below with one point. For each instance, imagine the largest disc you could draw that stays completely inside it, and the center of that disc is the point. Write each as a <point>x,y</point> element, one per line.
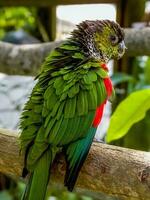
<point>38,181</point>
<point>76,154</point>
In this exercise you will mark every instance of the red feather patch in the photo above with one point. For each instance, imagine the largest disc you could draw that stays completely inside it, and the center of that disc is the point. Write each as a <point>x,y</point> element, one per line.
<point>100,109</point>
<point>98,115</point>
<point>108,86</point>
<point>104,66</point>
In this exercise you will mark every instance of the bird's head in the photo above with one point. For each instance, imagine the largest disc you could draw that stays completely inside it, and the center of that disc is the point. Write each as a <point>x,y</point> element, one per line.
<point>101,39</point>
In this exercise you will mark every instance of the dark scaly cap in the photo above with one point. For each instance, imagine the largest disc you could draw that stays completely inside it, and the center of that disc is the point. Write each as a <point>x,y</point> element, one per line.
<point>89,27</point>
<point>85,31</point>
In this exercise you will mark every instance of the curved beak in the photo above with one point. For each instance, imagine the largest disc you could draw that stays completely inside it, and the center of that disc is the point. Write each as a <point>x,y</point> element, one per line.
<point>121,49</point>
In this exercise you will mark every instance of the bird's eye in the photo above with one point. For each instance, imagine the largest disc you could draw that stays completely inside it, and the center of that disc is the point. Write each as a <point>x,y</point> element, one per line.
<point>114,39</point>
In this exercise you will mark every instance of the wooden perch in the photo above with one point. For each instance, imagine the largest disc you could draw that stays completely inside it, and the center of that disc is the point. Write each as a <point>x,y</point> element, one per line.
<point>119,172</point>
<point>27,59</point>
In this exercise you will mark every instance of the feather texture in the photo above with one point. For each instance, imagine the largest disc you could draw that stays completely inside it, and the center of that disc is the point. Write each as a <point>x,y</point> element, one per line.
<point>66,105</point>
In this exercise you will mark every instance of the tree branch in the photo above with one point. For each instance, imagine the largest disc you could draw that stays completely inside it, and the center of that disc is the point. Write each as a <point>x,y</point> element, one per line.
<point>27,59</point>
<point>23,59</point>
<point>137,41</point>
<point>119,172</point>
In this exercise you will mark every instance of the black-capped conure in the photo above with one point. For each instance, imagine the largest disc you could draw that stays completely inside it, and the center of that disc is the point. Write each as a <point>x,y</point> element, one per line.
<point>67,102</point>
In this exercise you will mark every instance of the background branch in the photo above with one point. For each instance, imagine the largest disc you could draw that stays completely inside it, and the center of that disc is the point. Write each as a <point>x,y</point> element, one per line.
<point>27,59</point>
<point>23,59</point>
<point>119,172</point>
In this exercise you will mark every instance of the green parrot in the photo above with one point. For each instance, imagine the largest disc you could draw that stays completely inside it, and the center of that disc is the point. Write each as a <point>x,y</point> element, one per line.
<point>67,102</point>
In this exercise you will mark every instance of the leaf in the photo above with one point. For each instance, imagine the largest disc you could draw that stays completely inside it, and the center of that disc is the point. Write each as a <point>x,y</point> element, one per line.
<point>120,78</point>
<point>129,111</point>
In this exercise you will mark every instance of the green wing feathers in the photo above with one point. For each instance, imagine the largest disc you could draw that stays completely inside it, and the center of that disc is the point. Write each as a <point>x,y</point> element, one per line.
<point>60,112</point>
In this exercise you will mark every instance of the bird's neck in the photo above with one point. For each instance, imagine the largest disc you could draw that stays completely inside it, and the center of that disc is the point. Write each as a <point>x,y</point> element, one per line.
<point>88,47</point>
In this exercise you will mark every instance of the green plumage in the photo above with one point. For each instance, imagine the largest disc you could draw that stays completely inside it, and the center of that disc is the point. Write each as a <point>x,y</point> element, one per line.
<point>82,91</point>
<point>59,115</point>
<point>59,112</point>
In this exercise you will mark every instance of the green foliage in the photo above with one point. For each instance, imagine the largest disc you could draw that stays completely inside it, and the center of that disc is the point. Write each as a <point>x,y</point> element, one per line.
<point>124,129</point>
<point>13,18</point>
<point>65,195</point>
<point>119,77</point>
<point>129,111</point>
<point>57,192</point>
<point>138,137</point>
<point>5,195</point>
<point>141,74</point>
<point>12,190</point>
<point>139,77</point>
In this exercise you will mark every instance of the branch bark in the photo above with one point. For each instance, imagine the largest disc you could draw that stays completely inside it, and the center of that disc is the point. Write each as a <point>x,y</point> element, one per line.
<point>23,59</point>
<point>27,59</point>
<point>137,41</point>
<point>116,171</point>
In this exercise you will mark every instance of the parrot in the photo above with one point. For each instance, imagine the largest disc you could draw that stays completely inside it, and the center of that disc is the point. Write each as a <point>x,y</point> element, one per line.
<point>67,103</point>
